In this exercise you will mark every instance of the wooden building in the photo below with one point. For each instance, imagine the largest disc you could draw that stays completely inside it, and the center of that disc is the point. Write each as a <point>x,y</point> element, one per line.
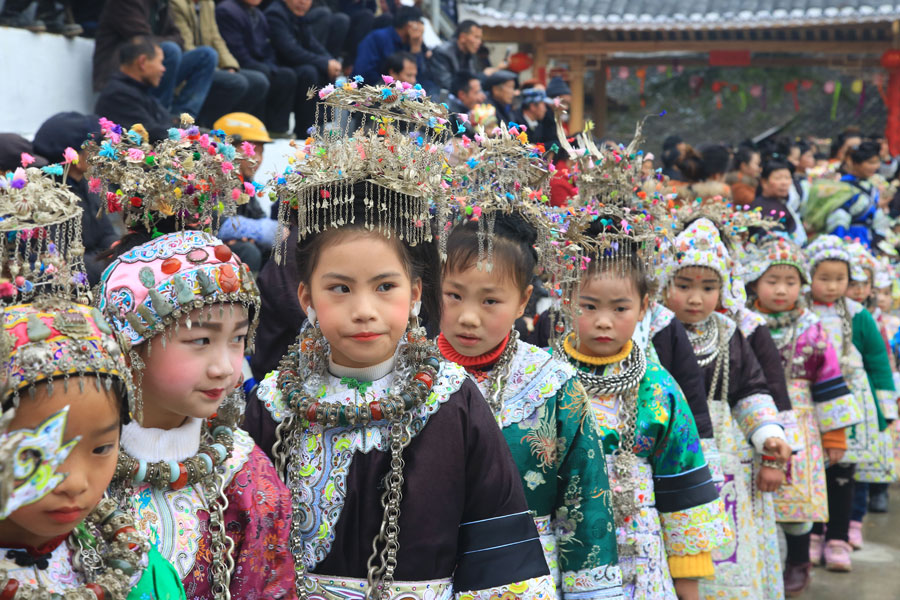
<point>588,34</point>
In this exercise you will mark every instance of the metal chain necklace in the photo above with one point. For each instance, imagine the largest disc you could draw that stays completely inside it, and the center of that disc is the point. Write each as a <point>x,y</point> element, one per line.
<point>840,307</point>
<point>625,385</point>
<point>722,359</point>
<point>416,356</point>
<point>704,337</point>
<point>500,372</point>
<point>632,371</point>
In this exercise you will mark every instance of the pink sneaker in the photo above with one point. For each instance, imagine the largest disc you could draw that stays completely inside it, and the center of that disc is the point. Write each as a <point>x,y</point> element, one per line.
<point>815,548</point>
<point>837,556</point>
<point>855,535</point>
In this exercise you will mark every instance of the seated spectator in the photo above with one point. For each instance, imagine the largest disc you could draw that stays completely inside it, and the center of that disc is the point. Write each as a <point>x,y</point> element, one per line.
<point>250,233</point>
<point>401,66</point>
<point>71,130</point>
<point>501,91</point>
<point>190,72</point>
<point>12,146</point>
<point>465,92</point>
<point>330,28</point>
<point>562,186</point>
<point>126,99</point>
<point>404,36</point>
<point>244,28</point>
<point>50,17</point>
<point>362,21</point>
<point>232,89</point>
<point>533,114</point>
<point>296,47</point>
<point>558,88</point>
<point>456,55</point>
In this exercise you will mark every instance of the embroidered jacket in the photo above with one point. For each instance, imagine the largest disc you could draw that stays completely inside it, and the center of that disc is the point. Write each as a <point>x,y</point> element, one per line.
<point>677,484</point>
<point>464,525</point>
<point>551,431</point>
<point>257,520</point>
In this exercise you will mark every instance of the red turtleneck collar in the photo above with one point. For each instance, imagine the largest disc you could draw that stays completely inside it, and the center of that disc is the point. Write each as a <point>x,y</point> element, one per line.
<point>42,550</point>
<point>470,363</point>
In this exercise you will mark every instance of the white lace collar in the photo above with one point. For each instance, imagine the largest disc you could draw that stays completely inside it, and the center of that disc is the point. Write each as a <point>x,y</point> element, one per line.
<point>152,444</point>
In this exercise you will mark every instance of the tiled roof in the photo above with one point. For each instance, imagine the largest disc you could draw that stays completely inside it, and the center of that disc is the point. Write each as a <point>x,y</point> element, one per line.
<point>675,14</point>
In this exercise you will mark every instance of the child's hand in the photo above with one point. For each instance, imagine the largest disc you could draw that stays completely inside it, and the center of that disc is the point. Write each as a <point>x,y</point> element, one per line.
<point>769,479</point>
<point>834,455</point>
<point>779,448</point>
<point>687,589</point>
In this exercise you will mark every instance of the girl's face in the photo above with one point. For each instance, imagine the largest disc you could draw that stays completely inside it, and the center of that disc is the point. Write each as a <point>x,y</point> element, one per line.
<point>752,167</point>
<point>610,308</point>
<point>363,296</point>
<point>191,375</point>
<point>94,416</point>
<point>778,184</point>
<point>883,299</point>
<point>867,168</point>
<point>829,281</point>
<point>807,161</point>
<point>778,288</point>
<point>693,294</point>
<point>480,309</point>
<point>860,290</point>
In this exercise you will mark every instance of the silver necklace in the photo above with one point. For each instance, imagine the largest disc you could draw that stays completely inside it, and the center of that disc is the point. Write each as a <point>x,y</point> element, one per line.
<point>704,337</point>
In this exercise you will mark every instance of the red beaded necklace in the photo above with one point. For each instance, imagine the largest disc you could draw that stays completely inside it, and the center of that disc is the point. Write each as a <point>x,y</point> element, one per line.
<point>471,363</point>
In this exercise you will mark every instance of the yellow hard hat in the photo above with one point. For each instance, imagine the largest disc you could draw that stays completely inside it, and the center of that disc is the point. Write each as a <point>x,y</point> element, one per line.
<point>243,126</point>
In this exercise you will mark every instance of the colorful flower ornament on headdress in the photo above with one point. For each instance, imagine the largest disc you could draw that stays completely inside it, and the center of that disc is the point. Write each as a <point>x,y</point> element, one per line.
<point>190,176</point>
<point>503,174</point>
<point>825,247</point>
<point>771,251</point>
<point>41,249</point>
<point>862,264</point>
<point>700,245</point>
<point>397,154</point>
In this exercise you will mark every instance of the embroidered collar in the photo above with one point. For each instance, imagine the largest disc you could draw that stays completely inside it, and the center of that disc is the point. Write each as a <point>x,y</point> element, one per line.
<point>29,556</point>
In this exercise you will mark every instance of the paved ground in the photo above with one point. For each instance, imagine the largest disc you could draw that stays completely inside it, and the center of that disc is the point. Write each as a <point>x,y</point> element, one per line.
<point>876,568</point>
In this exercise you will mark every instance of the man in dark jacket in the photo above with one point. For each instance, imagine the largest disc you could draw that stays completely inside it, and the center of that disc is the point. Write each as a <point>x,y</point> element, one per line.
<point>296,47</point>
<point>405,35</point>
<point>456,55</point>
<point>535,107</point>
<point>465,95</point>
<point>71,130</point>
<point>245,30</point>
<point>501,91</point>
<point>127,98</point>
<point>191,72</point>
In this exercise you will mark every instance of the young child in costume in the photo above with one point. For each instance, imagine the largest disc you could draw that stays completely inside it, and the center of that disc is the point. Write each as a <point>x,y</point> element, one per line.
<point>885,286</point>
<point>403,485</point>
<point>749,437</point>
<point>823,405</point>
<point>668,513</point>
<point>207,497</point>
<point>65,378</point>
<point>538,402</point>
<point>855,336</point>
<point>882,470</point>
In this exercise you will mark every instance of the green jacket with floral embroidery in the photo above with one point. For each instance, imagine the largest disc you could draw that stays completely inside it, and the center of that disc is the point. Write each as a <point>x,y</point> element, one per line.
<point>547,422</point>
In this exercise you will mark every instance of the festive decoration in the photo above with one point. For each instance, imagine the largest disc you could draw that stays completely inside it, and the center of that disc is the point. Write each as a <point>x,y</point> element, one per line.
<point>40,248</point>
<point>520,61</point>
<point>890,60</point>
<point>190,176</point>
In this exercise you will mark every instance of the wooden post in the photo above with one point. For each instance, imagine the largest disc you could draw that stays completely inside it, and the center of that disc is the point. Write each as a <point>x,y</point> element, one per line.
<point>540,56</point>
<point>576,82</point>
<point>599,93</point>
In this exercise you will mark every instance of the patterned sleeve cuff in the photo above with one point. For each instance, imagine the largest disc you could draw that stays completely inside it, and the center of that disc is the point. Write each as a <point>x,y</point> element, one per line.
<point>691,567</point>
<point>598,582</point>
<point>537,588</point>
<point>694,530</point>
<point>713,459</point>
<point>754,411</point>
<point>888,400</point>
<point>792,433</point>
<point>838,413</point>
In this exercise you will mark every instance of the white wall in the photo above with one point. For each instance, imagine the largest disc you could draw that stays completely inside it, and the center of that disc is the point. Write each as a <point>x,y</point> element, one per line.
<point>41,75</point>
